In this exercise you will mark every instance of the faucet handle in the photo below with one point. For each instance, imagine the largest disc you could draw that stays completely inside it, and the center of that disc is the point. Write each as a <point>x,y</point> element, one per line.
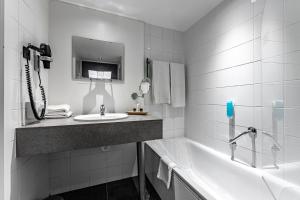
<point>252,132</point>
<point>102,109</point>
<point>252,129</point>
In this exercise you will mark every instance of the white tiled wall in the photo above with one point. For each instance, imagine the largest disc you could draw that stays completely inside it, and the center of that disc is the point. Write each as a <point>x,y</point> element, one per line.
<point>291,86</point>
<point>241,51</point>
<point>247,52</point>
<point>165,45</point>
<point>221,65</point>
<point>2,99</point>
<point>78,169</point>
<point>68,20</point>
<point>25,21</point>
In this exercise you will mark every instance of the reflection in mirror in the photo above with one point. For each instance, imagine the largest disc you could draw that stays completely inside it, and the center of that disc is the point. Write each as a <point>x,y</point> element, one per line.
<point>145,86</point>
<point>96,59</point>
<point>273,133</point>
<point>280,136</point>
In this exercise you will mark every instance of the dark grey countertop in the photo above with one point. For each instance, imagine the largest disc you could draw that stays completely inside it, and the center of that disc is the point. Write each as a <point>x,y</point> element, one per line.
<point>58,135</point>
<point>71,122</point>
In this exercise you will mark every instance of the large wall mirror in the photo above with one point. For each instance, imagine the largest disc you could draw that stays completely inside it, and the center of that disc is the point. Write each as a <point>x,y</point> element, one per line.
<point>96,59</point>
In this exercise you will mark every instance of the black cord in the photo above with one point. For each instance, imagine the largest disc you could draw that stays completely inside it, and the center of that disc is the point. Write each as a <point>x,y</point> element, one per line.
<point>29,87</point>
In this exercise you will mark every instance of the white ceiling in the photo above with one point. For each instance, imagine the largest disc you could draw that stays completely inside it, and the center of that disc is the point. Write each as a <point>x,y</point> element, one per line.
<point>174,14</point>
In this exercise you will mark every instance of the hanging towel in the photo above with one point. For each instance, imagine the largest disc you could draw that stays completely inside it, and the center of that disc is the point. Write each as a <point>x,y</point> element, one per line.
<point>165,169</point>
<point>177,85</point>
<point>58,115</point>
<point>161,82</point>
<point>58,108</point>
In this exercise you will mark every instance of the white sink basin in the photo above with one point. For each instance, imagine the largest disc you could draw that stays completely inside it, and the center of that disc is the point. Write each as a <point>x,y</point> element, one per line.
<point>98,117</point>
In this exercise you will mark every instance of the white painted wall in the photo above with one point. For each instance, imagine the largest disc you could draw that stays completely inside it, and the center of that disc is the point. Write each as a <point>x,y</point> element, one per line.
<point>77,169</point>
<point>244,52</point>
<point>165,45</point>
<point>25,21</point>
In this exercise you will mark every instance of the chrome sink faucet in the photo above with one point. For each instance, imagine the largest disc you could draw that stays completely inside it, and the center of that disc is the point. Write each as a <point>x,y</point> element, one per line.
<point>102,110</point>
<point>252,132</point>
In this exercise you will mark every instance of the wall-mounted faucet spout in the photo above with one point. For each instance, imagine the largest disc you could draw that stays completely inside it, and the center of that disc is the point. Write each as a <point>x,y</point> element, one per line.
<point>102,110</point>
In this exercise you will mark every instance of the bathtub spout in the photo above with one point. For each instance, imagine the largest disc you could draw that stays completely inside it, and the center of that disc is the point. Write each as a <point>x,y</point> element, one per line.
<point>252,132</point>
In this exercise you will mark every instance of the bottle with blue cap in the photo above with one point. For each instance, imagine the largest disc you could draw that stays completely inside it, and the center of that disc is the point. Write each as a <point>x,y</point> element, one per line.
<point>230,109</point>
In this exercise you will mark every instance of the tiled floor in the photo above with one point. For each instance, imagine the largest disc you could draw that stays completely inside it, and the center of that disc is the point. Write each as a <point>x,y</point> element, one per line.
<point>125,189</point>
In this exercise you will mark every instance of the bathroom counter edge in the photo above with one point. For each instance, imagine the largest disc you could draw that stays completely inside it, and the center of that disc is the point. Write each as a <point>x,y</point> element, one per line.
<point>60,135</point>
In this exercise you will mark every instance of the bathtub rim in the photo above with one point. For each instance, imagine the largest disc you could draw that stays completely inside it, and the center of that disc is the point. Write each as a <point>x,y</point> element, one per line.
<point>176,172</point>
<point>195,187</point>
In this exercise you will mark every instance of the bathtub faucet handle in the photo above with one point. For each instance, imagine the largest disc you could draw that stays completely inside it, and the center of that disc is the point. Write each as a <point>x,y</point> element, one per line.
<point>252,132</point>
<point>102,110</point>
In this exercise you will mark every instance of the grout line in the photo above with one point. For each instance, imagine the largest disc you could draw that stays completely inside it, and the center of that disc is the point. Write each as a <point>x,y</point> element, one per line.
<point>223,105</point>
<point>264,60</point>
<point>223,69</point>
<point>245,106</point>
<point>246,84</point>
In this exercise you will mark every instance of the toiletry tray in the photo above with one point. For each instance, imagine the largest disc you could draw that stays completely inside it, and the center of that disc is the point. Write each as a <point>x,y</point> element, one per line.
<point>136,113</point>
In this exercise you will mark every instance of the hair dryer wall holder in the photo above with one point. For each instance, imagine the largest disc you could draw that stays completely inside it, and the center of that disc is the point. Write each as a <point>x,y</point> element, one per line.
<point>45,56</point>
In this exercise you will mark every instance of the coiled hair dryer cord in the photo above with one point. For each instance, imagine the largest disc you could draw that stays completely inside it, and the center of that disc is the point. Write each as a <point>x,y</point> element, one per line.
<point>43,94</point>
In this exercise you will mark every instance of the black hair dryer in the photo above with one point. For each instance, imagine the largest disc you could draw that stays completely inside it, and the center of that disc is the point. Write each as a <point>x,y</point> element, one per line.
<point>45,54</point>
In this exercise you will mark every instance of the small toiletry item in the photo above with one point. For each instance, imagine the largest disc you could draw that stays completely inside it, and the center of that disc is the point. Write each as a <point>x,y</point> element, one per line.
<point>277,109</point>
<point>134,109</point>
<point>230,109</point>
<point>137,106</point>
<point>136,113</point>
<point>141,109</point>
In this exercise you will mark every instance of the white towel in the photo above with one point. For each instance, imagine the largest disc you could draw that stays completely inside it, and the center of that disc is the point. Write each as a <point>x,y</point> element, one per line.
<point>58,108</point>
<point>177,85</point>
<point>58,115</point>
<point>161,82</point>
<point>165,169</point>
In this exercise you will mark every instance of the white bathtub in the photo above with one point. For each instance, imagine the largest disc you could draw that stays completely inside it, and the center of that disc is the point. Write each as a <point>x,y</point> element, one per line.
<point>213,176</point>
